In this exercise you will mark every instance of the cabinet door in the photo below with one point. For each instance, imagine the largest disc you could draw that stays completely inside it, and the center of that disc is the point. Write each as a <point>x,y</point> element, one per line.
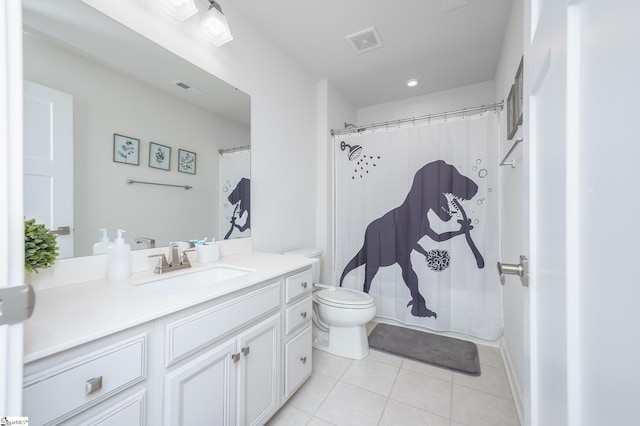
<point>258,396</point>
<point>203,391</point>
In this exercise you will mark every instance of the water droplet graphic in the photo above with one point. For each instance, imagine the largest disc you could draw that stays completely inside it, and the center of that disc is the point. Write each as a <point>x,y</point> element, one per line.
<point>478,161</point>
<point>476,221</point>
<point>483,173</point>
<point>225,189</point>
<point>480,202</point>
<point>489,190</point>
<point>474,168</point>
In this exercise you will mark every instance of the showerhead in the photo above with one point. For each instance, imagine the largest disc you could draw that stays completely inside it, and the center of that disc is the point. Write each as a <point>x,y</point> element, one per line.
<point>354,151</point>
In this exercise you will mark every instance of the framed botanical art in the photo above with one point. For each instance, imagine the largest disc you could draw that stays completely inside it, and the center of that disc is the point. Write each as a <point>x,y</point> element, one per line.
<point>512,120</point>
<point>159,156</point>
<point>519,94</point>
<point>126,150</point>
<point>186,161</point>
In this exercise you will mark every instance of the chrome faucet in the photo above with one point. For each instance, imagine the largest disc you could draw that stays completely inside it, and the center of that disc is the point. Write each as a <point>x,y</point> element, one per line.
<point>176,260</point>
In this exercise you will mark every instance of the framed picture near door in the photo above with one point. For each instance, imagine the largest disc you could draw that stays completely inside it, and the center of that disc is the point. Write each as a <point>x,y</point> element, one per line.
<point>519,93</point>
<point>512,119</point>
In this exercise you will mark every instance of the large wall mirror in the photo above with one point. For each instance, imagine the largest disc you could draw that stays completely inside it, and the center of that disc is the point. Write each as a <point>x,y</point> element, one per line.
<point>122,134</point>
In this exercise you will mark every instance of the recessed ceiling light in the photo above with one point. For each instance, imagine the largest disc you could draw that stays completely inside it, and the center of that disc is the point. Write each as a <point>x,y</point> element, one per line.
<point>412,82</point>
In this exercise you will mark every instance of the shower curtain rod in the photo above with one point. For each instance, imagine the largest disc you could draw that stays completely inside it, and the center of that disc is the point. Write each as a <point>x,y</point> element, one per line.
<point>230,150</point>
<point>463,111</point>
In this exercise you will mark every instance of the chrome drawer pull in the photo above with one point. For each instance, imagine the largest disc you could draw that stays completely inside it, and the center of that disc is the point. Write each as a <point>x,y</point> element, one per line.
<point>245,351</point>
<point>93,385</point>
<point>303,314</point>
<point>303,359</point>
<point>304,284</point>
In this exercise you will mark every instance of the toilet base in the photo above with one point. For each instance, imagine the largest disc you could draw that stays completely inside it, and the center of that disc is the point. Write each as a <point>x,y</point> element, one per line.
<point>347,342</point>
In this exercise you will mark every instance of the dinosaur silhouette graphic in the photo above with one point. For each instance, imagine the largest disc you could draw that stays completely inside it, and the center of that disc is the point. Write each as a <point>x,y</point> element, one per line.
<point>391,238</point>
<point>241,197</point>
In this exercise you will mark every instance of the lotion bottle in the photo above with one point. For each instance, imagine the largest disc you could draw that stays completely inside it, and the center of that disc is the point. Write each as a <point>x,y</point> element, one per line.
<point>102,245</point>
<point>118,259</point>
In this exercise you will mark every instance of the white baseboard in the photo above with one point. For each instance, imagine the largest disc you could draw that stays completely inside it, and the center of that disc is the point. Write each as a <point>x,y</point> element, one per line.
<point>514,383</point>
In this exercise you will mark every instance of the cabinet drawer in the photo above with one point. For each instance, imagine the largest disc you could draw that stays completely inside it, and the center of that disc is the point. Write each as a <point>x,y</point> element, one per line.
<point>297,361</point>
<point>65,390</point>
<point>298,284</point>
<point>191,333</point>
<point>298,314</point>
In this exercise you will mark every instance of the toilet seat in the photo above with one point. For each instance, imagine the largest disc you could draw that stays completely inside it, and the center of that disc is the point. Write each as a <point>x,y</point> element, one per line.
<point>345,298</point>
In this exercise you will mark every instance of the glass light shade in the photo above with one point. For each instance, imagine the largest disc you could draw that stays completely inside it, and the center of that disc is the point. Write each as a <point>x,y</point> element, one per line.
<point>179,9</point>
<point>214,27</point>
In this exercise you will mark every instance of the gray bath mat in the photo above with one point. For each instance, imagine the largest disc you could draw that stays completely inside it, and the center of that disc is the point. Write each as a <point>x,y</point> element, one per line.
<point>454,354</point>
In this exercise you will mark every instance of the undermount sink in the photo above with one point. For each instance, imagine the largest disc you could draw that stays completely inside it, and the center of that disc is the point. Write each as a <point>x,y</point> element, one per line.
<point>188,280</point>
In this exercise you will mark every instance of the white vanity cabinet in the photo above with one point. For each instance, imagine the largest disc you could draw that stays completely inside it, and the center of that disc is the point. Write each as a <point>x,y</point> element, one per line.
<point>98,383</point>
<point>227,361</point>
<point>298,312</point>
<point>230,359</point>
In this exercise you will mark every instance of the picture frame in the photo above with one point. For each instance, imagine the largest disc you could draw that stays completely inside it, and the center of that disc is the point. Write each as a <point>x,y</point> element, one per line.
<point>159,156</point>
<point>186,161</point>
<point>126,150</point>
<point>512,120</point>
<point>519,92</point>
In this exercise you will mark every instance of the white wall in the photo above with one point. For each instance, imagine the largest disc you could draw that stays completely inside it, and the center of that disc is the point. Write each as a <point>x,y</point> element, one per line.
<point>332,111</point>
<point>108,102</point>
<point>433,103</point>
<point>283,105</point>
<point>514,342</point>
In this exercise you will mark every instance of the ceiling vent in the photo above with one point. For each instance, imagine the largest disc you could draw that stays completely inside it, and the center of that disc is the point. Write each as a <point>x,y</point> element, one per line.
<point>365,40</point>
<point>192,90</point>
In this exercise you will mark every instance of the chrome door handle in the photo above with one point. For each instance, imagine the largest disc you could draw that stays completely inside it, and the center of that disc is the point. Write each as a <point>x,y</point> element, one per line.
<point>62,230</point>
<point>521,270</point>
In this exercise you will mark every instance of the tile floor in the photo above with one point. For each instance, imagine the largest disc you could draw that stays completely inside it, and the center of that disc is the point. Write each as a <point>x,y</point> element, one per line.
<point>385,389</point>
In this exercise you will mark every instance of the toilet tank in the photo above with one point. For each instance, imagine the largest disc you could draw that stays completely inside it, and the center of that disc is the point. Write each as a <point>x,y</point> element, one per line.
<point>313,253</point>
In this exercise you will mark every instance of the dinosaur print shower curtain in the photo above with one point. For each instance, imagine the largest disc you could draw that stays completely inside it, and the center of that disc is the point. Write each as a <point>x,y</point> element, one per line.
<point>417,223</point>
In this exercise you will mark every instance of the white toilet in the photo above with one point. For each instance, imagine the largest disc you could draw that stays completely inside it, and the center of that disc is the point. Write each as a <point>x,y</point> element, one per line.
<point>339,315</point>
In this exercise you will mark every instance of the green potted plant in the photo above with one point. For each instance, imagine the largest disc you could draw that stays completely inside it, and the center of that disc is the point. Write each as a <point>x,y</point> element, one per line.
<point>40,249</point>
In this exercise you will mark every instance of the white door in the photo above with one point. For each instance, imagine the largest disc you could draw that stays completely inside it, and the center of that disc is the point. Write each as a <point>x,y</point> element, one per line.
<point>546,84</point>
<point>48,160</point>
<point>583,86</point>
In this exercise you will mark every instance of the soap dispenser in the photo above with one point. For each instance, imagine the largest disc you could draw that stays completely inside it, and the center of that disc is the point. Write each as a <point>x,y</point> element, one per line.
<point>102,245</point>
<point>118,259</point>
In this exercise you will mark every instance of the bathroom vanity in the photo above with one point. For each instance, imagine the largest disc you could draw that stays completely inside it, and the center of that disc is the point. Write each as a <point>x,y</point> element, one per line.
<point>226,353</point>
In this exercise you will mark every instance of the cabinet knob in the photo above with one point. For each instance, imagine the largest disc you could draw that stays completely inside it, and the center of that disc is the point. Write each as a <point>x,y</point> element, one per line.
<point>235,357</point>
<point>245,351</point>
<point>303,314</point>
<point>93,385</point>
<point>303,359</point>
<point>304,284</point>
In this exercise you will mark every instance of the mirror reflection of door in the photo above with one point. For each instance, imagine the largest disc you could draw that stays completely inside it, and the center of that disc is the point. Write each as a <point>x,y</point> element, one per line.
<point>235,194</point>
<point>48,160</point>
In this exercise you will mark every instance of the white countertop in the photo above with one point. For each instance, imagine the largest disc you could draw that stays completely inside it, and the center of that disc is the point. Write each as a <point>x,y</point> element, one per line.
<point>71,315</point>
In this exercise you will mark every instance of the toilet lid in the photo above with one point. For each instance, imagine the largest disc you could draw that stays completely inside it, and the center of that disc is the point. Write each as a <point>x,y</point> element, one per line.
<point>344,296</point>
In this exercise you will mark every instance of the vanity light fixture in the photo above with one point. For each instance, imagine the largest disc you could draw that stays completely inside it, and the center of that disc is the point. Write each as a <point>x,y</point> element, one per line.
<point>214,26</point>
<point>412,82</point>
<point>179,9</point>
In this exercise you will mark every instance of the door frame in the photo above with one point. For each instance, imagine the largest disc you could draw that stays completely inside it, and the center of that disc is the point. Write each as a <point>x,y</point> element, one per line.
<point>11,222</point>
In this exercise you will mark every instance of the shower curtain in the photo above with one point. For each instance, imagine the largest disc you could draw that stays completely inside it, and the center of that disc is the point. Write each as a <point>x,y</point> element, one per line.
<point>417,222</point>
<point>235,194</point>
